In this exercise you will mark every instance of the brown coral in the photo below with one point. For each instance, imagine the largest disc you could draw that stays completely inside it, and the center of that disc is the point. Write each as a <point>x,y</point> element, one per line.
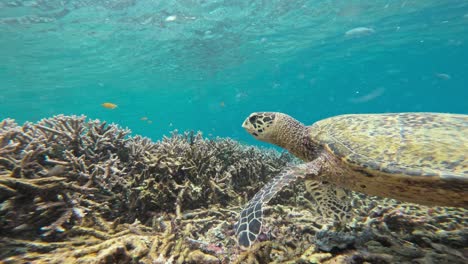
<point>57,171</point>
<point>186,171</point>
<point>67,177</point>
<point>82,191</point>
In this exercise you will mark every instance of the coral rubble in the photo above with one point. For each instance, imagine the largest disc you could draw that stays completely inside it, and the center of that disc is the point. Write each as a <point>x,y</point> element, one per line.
<point>74,190</point>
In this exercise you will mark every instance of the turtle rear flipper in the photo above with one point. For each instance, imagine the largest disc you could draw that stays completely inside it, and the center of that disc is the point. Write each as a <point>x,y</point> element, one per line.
<point>249,225</point>
<point>333,203</point>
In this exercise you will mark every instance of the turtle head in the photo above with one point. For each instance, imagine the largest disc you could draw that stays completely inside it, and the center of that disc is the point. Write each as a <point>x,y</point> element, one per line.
<point>281,130</point>
<point>261,125</point>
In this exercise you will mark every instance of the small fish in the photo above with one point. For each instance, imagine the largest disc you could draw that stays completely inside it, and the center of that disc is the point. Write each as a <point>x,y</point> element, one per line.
<point>109,105</point>
<point>222,104</point>
<point>150,122</point>
<point>144,118</point>
<point>359,32</point>
<point>170,124</point>
<point>443,76</point>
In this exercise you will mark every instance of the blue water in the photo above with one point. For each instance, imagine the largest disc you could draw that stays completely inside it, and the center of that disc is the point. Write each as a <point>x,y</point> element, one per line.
<point>205,65</point>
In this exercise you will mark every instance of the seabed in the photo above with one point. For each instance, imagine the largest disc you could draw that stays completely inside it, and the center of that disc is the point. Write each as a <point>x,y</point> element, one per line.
<point>74,190</point>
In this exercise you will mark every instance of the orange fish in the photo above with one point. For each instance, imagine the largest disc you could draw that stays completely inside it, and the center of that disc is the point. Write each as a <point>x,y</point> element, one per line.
<point>109,105</point>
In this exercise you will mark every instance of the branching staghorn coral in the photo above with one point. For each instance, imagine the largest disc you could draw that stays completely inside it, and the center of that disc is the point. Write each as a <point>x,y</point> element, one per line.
<point>202,236</point>
<point>61,172</point>
<point>56,171</point>
<point>80,191</point>
<point>186,171</point>
<point>111,242</point>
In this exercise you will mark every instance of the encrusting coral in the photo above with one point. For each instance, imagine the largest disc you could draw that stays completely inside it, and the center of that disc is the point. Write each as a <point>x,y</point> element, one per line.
<point>74,190</point>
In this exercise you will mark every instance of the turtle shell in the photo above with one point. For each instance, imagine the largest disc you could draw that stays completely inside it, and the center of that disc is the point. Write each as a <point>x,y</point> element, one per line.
<point>410,144</point>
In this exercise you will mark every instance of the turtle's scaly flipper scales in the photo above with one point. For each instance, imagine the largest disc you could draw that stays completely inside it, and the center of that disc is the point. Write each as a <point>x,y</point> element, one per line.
<point>250,222</point>
<point>333,203</point>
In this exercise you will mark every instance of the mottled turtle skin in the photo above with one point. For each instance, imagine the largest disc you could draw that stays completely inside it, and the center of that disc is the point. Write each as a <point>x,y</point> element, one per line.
<point>412,157</point>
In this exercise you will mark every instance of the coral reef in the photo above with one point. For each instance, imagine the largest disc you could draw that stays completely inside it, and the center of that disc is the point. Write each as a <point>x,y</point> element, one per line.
<point>190,172</point>
<point>386,232</point>
<point>55,172</point>
<point>74,190</point>
<point>66,175</point>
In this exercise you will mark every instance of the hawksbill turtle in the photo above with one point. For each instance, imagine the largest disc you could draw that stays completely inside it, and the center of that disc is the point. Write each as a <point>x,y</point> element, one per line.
<point>412,157</point>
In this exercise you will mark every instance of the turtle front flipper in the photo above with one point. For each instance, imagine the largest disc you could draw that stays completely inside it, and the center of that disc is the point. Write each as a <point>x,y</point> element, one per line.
<point>249,225</point>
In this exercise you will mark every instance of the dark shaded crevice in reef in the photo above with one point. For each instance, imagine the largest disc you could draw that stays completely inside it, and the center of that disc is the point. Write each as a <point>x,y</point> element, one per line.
<point>74,190</point>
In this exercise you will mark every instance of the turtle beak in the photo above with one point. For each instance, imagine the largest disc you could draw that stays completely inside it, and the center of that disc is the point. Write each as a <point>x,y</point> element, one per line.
<point>248,126</point>
<point>244,125</point>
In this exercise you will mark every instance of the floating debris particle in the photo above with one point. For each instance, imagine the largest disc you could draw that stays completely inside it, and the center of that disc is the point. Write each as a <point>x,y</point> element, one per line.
<point>171,18</point>
<point>109,105</point>
<point>359,32</point>
<point>368,97</point>
<point>443,76</point>
<point>393,71</point>
<point>241,96</point>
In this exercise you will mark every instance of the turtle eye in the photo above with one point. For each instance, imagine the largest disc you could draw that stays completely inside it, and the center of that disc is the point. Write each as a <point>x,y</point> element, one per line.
<point>253,119</point>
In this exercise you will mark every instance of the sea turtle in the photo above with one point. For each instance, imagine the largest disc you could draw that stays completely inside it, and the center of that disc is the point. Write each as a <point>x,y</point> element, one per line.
<point>413,157</point>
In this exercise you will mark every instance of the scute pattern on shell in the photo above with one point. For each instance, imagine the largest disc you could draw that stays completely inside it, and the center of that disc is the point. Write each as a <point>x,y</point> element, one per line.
<point>411,144</point>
